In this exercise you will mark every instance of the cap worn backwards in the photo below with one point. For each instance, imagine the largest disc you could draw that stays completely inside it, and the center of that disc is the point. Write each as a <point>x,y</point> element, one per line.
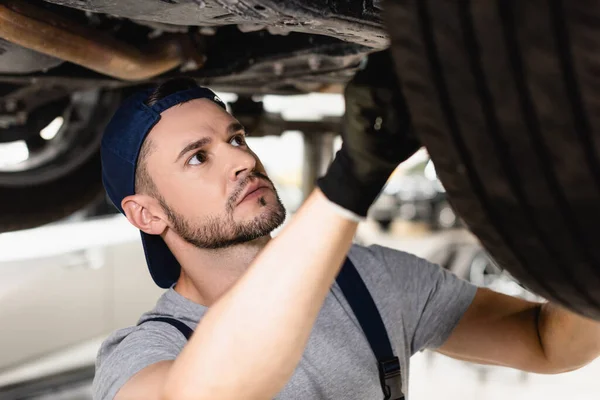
<point>121,144</point>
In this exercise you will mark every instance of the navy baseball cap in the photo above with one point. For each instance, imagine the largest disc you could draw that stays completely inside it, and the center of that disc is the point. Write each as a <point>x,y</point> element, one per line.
<point>120,148</point>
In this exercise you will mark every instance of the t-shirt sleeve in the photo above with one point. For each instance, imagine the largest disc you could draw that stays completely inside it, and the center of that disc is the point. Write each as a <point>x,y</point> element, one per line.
<point>128,351</point>
<point>433,299</point>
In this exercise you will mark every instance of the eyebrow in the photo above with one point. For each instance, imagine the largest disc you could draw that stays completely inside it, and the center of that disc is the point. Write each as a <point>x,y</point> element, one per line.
<point>197,144</point>
<point>235,127</point>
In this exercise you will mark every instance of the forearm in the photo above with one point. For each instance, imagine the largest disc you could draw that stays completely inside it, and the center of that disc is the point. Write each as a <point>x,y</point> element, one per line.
<point>249,343</point>
<point>569,341</point>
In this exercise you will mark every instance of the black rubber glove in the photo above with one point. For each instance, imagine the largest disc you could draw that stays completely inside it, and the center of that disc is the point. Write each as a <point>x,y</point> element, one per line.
<point>377,136</point>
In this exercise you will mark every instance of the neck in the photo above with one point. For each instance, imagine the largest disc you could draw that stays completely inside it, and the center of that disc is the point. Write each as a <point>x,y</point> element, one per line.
<point>208,274</point>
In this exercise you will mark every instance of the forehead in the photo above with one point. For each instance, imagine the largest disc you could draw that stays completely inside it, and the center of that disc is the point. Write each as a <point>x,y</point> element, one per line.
<point>189,120</point>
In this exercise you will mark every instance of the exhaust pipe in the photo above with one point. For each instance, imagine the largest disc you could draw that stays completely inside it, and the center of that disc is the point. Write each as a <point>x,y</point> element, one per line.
<point>45,32</point>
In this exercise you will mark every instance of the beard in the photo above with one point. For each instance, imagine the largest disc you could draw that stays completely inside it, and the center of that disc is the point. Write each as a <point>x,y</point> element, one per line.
<point>222,231</point>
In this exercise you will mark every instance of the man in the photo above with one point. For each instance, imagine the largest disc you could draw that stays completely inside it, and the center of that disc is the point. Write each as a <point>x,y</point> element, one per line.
<point>267,319</point>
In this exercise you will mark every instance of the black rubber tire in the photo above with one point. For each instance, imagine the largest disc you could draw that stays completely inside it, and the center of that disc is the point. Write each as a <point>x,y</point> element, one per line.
<point>23,207</point>
<point>505,96</point>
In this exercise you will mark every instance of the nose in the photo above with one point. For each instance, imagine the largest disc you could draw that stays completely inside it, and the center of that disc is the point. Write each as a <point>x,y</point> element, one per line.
<point>243,162</point>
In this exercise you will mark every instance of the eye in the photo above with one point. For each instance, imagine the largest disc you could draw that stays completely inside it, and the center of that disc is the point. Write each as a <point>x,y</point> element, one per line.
<point>197,158</point>
<point>238,140</point>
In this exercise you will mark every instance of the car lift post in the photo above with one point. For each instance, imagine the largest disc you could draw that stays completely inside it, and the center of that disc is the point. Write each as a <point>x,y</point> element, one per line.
<point>318,154</point>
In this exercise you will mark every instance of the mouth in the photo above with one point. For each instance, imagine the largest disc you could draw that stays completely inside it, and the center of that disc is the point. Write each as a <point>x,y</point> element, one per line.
<point>254,190</point>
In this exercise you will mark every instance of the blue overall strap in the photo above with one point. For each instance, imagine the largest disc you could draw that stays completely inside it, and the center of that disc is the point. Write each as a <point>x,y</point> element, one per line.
<point>180,326</point>
<point>364,308</point>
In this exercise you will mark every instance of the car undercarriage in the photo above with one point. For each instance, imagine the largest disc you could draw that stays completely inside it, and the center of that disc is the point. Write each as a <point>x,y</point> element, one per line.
<point>70,59</point>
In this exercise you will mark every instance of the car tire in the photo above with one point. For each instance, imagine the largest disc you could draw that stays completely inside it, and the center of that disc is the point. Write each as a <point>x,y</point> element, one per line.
<point>505,96</point>
<point>66,184</point>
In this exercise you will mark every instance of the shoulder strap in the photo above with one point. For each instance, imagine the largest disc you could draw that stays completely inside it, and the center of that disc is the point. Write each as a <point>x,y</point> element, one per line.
<point>180,326</point>
<point>364,308</point>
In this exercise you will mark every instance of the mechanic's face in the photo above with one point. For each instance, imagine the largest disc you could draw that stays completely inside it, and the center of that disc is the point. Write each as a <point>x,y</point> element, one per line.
<point>214,189</point>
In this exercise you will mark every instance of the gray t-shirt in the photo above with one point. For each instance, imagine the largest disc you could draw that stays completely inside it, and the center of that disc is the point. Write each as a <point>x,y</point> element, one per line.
<point>419,302</point>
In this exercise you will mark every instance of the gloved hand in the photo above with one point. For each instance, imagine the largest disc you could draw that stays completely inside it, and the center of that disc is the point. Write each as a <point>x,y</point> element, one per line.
<point>377,136</point>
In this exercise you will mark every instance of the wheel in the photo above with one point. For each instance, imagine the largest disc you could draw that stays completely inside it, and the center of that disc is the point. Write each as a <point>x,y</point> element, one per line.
<point>58,175</point>
<point>505,96</point>
<point>385,224</point>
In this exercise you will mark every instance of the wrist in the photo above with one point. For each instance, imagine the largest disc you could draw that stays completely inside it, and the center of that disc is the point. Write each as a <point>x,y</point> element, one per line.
<point>341,211</point>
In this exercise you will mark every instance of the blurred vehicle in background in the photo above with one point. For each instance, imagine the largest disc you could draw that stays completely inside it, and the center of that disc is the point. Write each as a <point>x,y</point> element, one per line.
<point>385,209</point>
<point>416,196</point>
<point>64,287</point>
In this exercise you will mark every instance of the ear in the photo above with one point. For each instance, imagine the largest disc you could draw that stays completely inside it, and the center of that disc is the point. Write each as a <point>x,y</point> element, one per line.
<point>145,213</point>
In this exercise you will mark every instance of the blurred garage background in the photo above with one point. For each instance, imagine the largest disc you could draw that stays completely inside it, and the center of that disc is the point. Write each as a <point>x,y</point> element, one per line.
<point>65,286</point>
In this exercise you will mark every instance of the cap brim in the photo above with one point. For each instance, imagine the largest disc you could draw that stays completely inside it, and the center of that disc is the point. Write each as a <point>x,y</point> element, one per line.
<point>162,264</point>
